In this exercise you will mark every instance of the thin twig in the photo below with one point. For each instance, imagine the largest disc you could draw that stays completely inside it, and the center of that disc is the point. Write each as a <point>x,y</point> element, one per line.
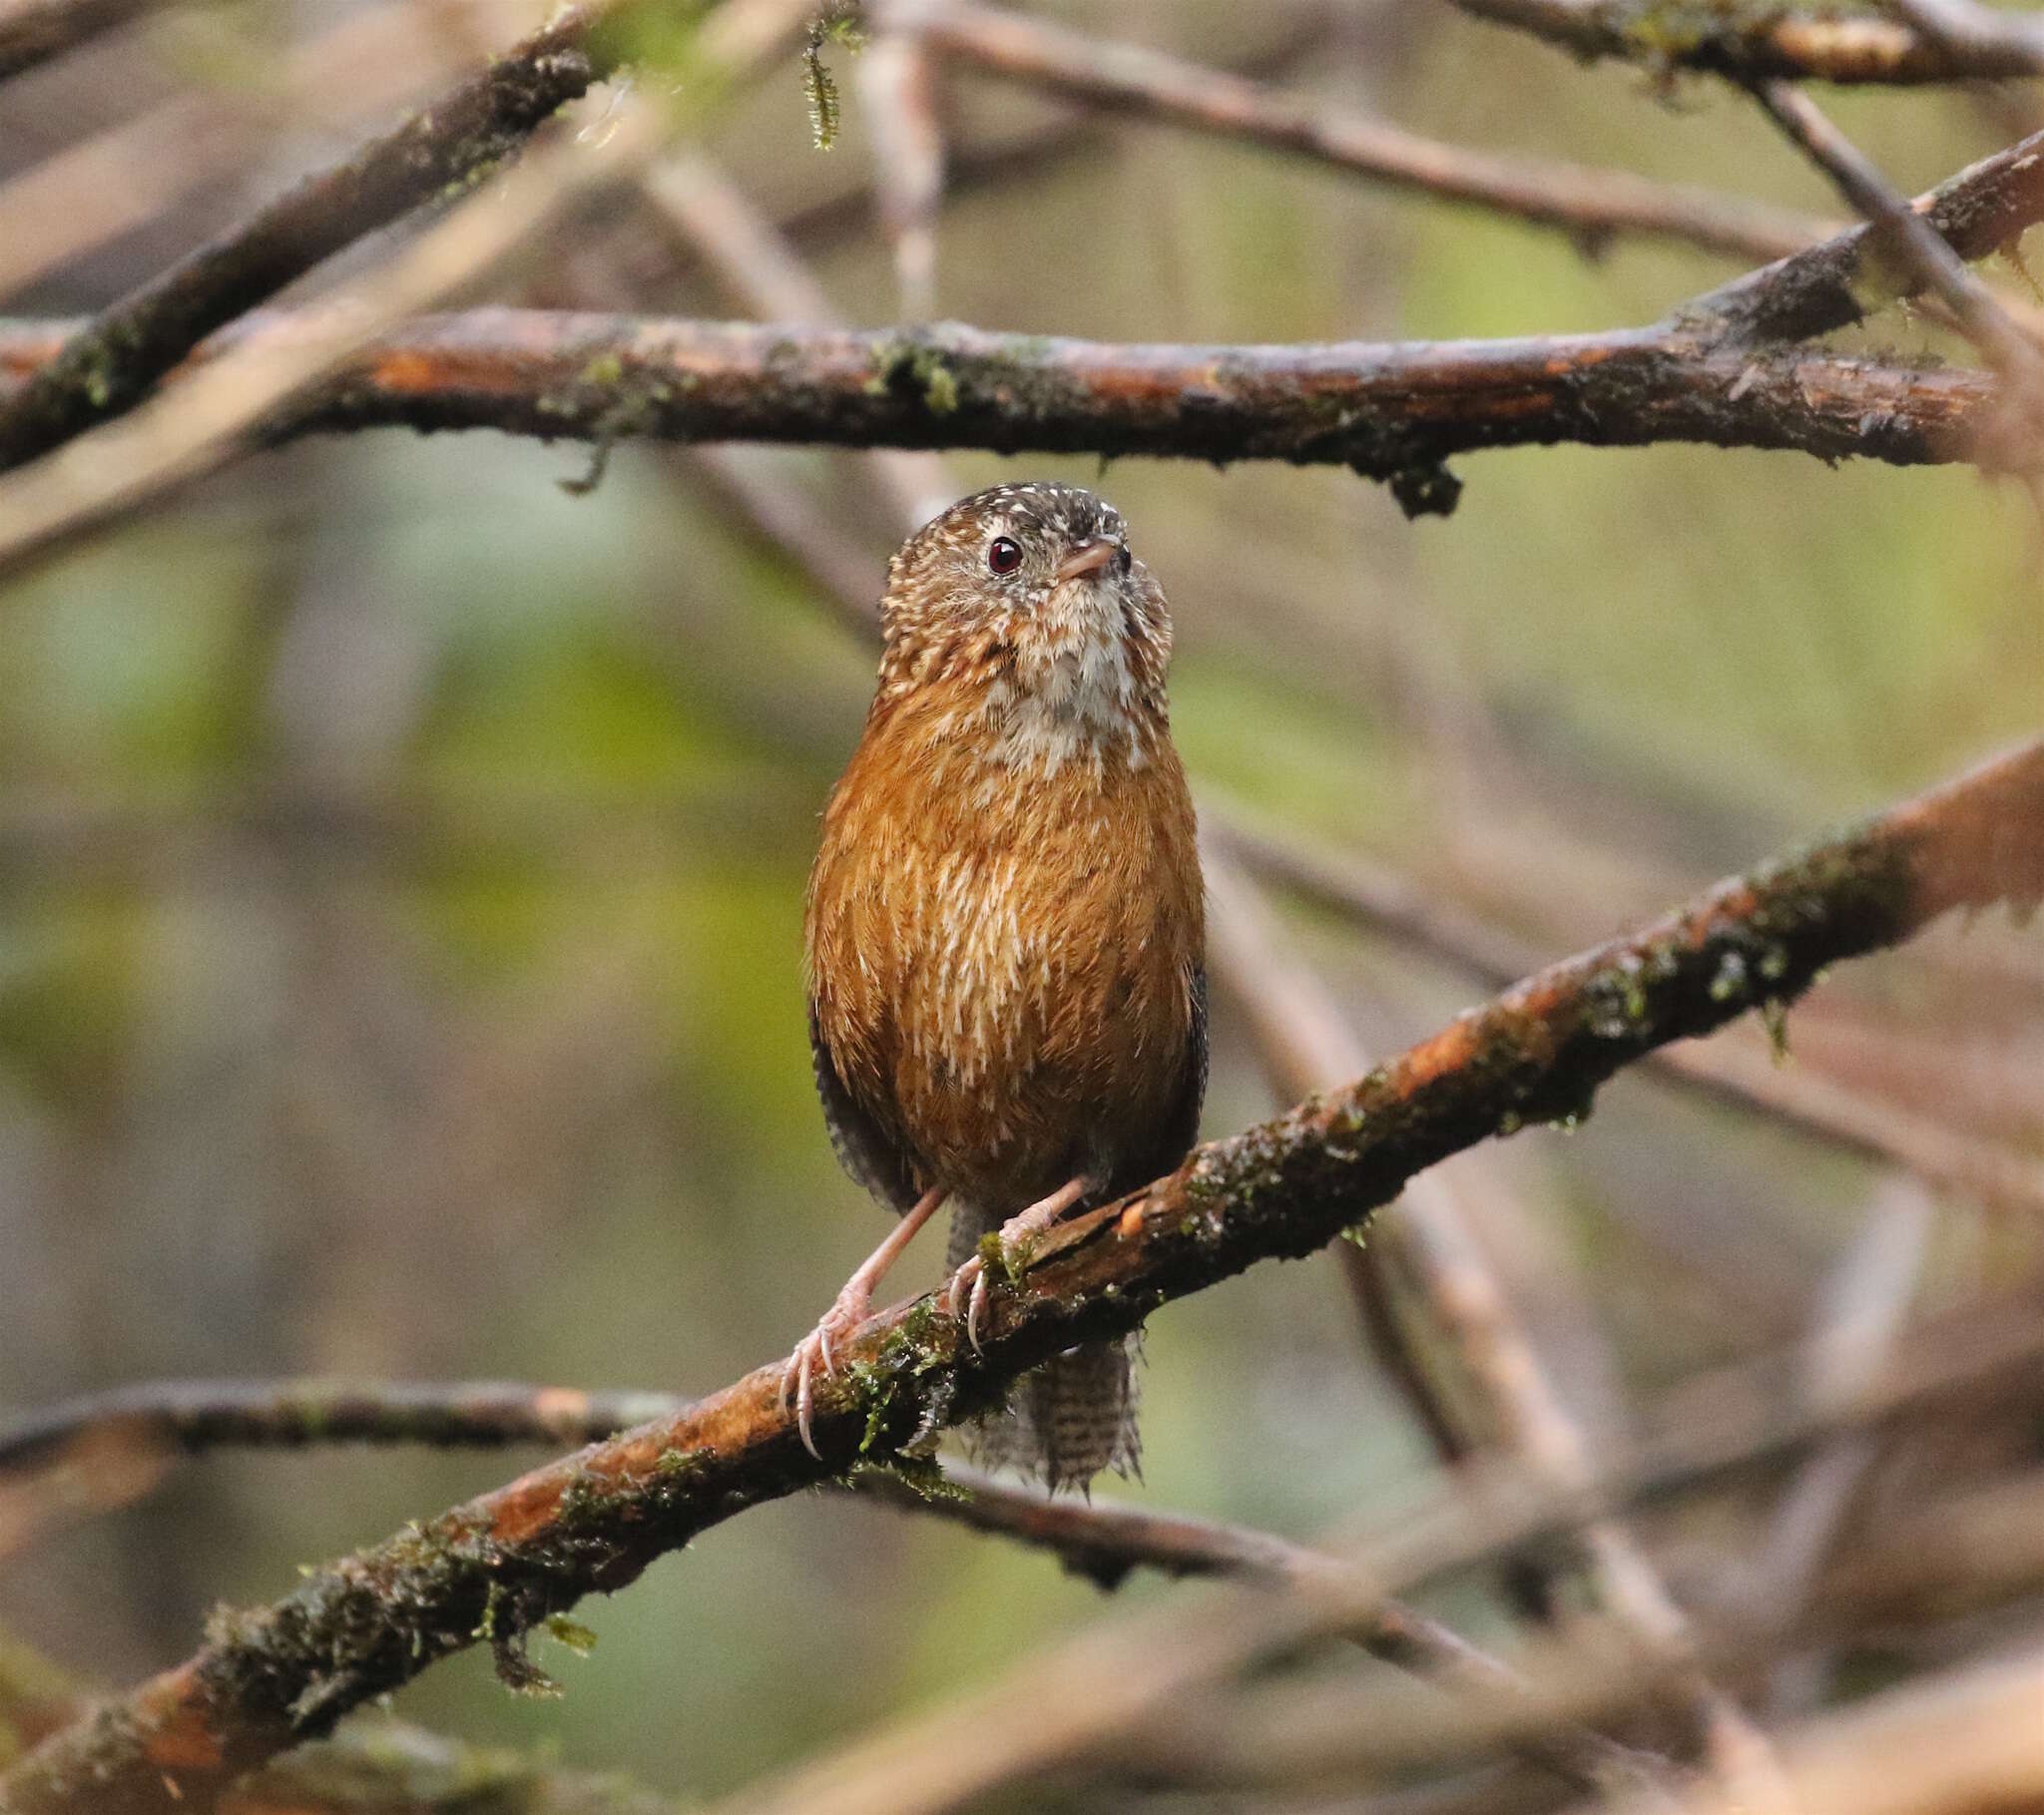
<point>500,1564</point>
<point>1592,205</point>
<point>1977,212</point>
<point>1938,270</point>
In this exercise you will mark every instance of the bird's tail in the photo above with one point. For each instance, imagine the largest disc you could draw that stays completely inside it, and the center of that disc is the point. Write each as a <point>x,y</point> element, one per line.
<point>1066,1418</point>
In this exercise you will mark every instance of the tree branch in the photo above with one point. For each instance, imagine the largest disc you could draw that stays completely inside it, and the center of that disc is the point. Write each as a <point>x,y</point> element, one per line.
<point>1390,412</point>
<point>1756,43</point>
<point>1589,204</point>
<point>494,1566</point>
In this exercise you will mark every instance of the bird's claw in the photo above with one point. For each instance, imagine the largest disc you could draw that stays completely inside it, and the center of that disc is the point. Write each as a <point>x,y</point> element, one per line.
<point>812,1360</point>
<point>968,1287</point>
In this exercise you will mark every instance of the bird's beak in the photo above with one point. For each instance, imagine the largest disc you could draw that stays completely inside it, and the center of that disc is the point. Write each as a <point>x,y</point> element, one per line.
<point>1087,558</point>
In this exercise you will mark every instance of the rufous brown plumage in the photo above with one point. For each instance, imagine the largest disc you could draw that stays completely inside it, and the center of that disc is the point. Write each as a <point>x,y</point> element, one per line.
<point>1004,926</point>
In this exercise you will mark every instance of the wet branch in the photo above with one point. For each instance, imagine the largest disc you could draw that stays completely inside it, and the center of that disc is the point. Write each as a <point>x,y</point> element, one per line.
<point>493,1568</point>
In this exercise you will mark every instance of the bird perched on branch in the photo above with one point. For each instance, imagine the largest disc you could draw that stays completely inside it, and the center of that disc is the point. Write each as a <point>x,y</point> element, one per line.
<point>1005,927</point>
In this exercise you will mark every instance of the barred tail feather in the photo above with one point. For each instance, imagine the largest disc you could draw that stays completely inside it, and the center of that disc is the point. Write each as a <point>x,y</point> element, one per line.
<point>1066,1419</point>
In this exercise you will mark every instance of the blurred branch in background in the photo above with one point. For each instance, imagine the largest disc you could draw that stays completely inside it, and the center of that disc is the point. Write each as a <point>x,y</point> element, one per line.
<point>1592,205</point>
<point>33,31</point>
<point>1441,1320</point>
<point>495,1567</point>
<point>110,182</point>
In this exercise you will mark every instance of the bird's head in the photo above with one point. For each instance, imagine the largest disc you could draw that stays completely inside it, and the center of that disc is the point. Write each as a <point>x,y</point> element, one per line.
<point>1029,596</point>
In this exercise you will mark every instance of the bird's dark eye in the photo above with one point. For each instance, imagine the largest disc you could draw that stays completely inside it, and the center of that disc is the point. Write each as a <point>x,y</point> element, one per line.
<point>1004,555</point>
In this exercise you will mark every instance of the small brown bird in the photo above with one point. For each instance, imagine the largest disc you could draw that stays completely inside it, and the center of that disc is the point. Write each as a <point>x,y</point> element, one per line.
<point>1005,927</point>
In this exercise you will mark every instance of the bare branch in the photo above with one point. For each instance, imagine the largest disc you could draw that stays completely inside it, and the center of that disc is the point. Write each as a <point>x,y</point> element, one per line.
<point>1590,203</point>
<point>110,182</point>
<point>1750,45</point>
<point>499,1563</point>
<point>198,426</point>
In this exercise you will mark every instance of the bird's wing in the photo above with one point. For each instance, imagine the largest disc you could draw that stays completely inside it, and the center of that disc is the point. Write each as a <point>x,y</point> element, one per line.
<point>1180,1127</point>
<point>864,1149</point>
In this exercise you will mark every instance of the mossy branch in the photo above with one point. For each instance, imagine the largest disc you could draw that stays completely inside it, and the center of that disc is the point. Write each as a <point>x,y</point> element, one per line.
<point>1757,40</point>
<point>1390,411</point>
<point>499,1565</point>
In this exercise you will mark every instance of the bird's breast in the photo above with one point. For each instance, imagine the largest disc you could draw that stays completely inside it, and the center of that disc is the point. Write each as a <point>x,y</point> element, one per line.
<point>1002,952</point>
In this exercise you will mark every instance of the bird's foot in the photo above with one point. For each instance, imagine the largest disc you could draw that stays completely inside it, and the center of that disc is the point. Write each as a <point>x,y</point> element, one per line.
<point>967,1290</point>
<point>812,1359</point>
<point>969,1285</point>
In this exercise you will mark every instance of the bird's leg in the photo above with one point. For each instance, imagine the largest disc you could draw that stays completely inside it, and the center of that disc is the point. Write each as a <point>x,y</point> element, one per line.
<point>1024,1225</point>
<point>851,1308</point>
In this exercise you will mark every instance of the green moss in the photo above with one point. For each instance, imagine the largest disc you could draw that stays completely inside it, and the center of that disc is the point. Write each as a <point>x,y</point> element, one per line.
<point>911,368</point>
<point>576,1637</point>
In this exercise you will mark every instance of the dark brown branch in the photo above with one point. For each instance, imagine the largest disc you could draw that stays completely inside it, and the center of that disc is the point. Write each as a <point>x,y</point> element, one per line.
<point>1390,411</point>
<point>33,31</point>
<point>1748,44</point>
<point>497,1565</point>
<point>1589,204</point>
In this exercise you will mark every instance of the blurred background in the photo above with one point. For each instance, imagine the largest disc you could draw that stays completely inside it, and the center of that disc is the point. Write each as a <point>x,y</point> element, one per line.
<point>402,856</point>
